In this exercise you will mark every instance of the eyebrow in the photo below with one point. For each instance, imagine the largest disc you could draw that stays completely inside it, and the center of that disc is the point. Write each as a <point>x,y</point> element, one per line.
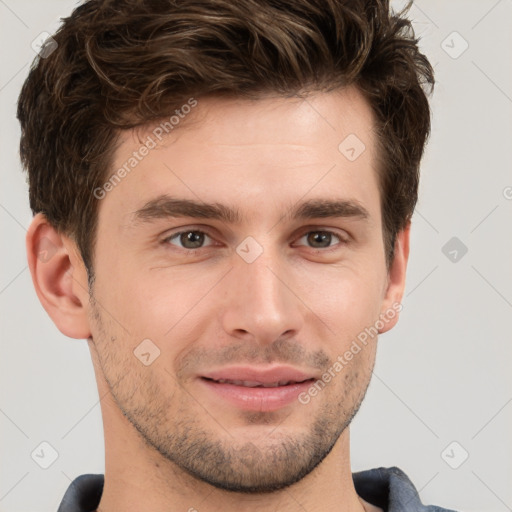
<point>165,206</point>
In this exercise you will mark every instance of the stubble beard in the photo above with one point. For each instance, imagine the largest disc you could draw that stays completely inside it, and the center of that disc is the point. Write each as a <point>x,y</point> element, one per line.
<point>168,425</point>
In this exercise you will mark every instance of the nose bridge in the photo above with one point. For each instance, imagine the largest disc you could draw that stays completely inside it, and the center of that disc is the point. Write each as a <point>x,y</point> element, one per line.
<point>259,304</point>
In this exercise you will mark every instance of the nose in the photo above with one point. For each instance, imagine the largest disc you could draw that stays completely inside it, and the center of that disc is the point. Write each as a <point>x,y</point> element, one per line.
<point>260,303</point>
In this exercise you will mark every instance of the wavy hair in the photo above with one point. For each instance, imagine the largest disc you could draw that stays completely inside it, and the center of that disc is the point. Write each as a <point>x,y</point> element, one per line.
<point>120,64</point>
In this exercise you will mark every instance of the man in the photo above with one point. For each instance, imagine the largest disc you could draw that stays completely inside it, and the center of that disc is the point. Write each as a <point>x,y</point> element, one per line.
<point>226,191</point>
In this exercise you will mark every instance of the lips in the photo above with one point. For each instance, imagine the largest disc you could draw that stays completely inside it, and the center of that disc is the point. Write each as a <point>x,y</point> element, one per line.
<point>271,376</point>
<point>257,389</point>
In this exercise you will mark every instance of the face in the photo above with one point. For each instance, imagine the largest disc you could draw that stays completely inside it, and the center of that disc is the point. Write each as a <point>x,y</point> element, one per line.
<point>212,323</point>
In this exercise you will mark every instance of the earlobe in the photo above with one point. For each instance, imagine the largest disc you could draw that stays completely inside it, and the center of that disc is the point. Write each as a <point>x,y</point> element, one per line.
<point>392,304</point>
<point>59,277</point>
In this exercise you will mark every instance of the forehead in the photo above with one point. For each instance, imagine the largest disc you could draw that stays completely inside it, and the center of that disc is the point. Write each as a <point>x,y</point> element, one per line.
<point>252,153</point>
<point>319,118</point>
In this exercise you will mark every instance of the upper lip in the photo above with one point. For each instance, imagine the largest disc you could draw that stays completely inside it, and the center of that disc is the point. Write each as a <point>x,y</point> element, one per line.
<point>259,374</point>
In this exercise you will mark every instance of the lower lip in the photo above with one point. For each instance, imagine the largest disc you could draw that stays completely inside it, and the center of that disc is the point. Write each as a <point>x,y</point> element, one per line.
<point>260,398</point>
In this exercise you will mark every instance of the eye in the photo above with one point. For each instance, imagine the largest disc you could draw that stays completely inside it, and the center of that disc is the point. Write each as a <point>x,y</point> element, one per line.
<point>321,239</point>
<point>191,239</point>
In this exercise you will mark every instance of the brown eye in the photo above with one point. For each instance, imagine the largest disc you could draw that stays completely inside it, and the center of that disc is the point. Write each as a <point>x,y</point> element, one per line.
<point>188,239</point>
<point>321,239</point>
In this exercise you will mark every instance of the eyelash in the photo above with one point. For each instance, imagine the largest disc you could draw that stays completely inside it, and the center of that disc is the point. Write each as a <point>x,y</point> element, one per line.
<point>342,240</point>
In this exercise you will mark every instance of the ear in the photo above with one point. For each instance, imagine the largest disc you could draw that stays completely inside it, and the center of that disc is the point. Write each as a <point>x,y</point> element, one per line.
<point>59,277</point>
<point>392,303</point>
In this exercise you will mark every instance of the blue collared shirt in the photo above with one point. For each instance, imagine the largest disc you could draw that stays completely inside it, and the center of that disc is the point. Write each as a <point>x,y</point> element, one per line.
<point>387,488</point>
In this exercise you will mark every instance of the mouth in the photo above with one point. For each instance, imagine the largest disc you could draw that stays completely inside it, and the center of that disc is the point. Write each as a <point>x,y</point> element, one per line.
<point>254,389</point>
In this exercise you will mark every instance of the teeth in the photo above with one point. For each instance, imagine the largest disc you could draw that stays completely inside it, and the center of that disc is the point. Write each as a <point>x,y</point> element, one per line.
<point>255,384</point>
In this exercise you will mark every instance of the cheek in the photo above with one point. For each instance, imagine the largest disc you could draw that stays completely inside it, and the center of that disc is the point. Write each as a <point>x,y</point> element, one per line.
<point>145,303</point>
<point>172,309</point>
<point>134,369</point>
<point>347,299</point>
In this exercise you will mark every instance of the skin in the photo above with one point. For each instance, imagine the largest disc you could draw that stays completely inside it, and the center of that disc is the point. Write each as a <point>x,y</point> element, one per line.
<point>167,440</point>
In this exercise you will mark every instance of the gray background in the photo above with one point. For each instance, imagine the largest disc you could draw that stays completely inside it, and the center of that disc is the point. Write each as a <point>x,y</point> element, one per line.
<point>443,375</point>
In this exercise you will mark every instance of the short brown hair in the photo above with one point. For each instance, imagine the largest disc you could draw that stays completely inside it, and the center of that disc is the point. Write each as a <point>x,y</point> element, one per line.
<point>119,64</point>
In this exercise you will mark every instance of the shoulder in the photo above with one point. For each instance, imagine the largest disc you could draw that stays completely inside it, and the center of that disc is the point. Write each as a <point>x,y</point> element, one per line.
<point>392,490</point>
<point>83,494</point>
